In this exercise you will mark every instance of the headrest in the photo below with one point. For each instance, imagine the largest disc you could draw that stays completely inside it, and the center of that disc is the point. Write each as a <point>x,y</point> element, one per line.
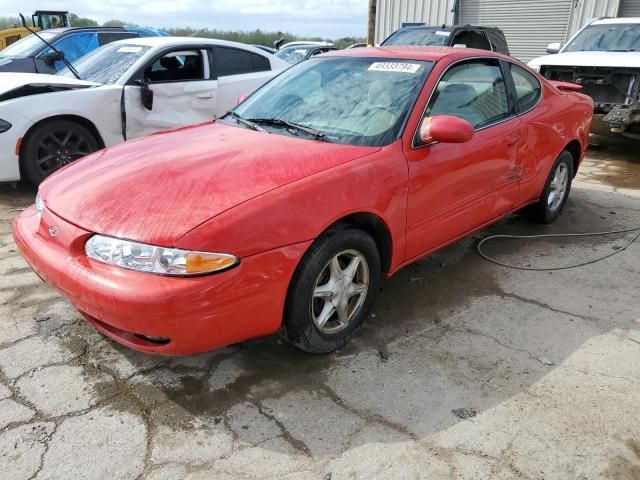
<point>170,63</point>
<point>378,96</point>
<point>463,94</point>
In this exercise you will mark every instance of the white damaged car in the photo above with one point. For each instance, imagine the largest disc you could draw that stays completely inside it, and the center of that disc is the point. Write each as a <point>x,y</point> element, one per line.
<point>126,89</point>
<point>603,57</point>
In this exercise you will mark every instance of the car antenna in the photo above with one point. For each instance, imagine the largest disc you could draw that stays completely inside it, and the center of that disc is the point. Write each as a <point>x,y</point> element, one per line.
<point>66,62</point>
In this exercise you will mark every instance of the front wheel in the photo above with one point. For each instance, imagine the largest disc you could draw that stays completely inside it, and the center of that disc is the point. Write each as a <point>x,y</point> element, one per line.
<point>556,190</point>
<point>332,290</point>
<point>53,145</point>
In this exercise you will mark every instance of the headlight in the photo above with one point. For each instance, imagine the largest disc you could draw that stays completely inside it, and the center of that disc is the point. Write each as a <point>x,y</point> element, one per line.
<point>158,260</point>
<point>4,126</point>
<point>39,205</point>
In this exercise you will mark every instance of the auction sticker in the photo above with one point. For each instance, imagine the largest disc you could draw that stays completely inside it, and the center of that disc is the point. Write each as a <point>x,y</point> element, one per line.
<point>395,67</point>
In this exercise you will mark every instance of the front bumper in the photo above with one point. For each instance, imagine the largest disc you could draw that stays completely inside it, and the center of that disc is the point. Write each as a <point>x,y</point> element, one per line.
<point>195,314</point>
<point>9,158</point>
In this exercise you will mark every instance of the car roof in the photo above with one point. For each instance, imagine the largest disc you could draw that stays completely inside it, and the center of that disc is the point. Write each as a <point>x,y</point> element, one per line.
<point>169,41</point>
<point>448,28</point>
<point>410,52</point>
<point>611,21</point>
<point>83,29</point>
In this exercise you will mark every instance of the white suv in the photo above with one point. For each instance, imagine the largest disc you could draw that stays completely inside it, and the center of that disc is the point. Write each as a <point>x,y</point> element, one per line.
<point>603,57</point>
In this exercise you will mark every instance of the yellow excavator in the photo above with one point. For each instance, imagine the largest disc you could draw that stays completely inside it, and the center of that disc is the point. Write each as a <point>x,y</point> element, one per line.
<point>42,20</point>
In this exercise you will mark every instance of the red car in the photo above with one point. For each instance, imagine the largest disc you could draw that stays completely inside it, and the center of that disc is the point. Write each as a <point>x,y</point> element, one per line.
<point>287,212</point>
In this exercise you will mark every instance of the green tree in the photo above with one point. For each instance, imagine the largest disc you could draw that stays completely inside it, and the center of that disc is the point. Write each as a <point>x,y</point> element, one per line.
<point>116,23</point>
<point>77,21</point>
<point>10,22</point>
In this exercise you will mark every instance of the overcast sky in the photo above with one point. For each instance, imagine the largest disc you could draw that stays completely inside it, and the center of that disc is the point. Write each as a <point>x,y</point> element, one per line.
<point>324,18</point>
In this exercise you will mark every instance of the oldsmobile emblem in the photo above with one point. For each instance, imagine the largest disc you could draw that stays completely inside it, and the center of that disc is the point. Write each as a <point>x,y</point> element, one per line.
<point>53,231</point>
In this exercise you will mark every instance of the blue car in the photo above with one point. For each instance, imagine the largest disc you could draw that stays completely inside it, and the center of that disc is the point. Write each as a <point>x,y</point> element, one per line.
<point>32,55</point>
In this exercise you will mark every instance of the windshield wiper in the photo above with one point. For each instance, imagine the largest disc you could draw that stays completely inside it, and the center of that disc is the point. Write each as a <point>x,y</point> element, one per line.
<point>247,123</point>
<point>278,122</point>
<point>60,54</point>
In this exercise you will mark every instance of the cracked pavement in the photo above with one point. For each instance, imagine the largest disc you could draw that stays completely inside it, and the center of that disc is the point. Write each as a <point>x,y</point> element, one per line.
<point>546,364</point>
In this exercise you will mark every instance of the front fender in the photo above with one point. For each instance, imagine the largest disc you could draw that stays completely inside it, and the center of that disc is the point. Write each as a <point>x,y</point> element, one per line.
<point>302,210</point>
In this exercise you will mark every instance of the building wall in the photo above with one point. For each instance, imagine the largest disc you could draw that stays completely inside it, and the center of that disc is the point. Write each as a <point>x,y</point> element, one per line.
<point>392,13</point>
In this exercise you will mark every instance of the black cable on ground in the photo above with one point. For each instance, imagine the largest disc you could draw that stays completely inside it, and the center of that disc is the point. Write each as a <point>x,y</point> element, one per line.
<point>557,235</point>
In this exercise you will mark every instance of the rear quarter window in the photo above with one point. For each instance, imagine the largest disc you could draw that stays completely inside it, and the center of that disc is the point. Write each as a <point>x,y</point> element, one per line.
<point>528,88</point>
<point>234,61</point>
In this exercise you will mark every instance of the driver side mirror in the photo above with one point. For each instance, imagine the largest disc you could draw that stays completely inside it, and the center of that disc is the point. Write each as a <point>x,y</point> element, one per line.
<point>242,98</point>
<point>554,47</point>
<point>445,129</point>
<point>146,95</point>
<point>51,57</point>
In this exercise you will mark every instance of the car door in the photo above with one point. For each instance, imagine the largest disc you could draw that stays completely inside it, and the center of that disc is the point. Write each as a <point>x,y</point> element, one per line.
<point>455,188</point>
<point>179,90</point>
<point>239,72</point>
<point>535,127</point>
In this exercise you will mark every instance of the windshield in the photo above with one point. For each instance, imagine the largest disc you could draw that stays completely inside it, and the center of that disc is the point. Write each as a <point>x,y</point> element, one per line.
<point>607,38</point>
<point>419,36</point>
<point>294,55</point>
<point>28,46</point>
<point>108,63</point>
<point>355,101</point>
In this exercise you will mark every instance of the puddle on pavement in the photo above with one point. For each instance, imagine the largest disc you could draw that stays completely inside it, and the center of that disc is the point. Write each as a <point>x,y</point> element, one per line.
<point>613,162</point>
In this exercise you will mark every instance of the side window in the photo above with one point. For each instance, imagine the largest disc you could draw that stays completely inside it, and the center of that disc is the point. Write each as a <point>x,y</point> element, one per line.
<point>108,37</point>
<point>474,91</point>
<point>472,40</point>
<point>73,46</point>
<point>179,66</point>
<point>528,88</point>
<point>234,61</point>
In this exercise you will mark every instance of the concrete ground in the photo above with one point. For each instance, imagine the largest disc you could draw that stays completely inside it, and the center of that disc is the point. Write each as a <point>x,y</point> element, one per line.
<point>545,366</point>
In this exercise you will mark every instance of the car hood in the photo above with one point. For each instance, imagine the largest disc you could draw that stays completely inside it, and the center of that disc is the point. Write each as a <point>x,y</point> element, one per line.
<point>10,81</point>
<point>158,188</point>
<point>590,59</point>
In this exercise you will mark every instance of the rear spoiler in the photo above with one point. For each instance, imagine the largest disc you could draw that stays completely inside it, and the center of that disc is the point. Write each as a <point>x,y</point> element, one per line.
<point>566,86</point>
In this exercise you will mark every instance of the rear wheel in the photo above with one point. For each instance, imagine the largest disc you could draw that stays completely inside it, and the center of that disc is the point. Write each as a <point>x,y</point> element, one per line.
<point>556,191</point>
<point>332,290</point>
<point>53,145</point>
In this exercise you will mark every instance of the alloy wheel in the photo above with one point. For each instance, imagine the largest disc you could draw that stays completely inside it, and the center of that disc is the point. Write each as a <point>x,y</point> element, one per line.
<point>58,148</point>
<point>340,291</point>
<point>558,187</point>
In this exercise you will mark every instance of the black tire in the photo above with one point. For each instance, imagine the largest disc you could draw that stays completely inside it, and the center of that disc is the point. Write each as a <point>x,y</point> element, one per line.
<point>301,307</point>
<point>52,145</point>
<point>546,210</point>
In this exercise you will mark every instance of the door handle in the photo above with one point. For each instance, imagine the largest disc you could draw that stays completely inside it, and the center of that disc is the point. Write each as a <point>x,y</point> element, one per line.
<point>205,96</point>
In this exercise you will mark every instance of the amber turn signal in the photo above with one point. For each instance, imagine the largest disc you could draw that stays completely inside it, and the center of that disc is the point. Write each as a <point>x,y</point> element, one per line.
<point>200,262</point>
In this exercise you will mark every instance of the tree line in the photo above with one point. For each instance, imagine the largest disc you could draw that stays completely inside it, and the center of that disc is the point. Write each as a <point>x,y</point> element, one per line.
<point>255,37</point>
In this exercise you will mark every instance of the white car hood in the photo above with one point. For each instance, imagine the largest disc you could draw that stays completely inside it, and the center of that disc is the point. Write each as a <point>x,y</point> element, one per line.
<point>11,81</point>
<point>590,59</point>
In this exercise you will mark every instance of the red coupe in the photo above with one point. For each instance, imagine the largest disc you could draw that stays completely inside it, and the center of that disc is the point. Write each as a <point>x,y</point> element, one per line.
<point>288,211</point>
